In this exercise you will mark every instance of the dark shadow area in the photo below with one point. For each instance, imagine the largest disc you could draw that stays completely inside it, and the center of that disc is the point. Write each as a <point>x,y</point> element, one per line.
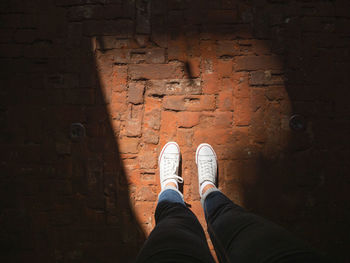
<point>67,200</point>
<point>63,199</point>
<point>303,186</point>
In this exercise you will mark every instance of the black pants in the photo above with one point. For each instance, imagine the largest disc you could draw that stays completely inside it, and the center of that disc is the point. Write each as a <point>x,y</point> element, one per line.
<point>237,236</point>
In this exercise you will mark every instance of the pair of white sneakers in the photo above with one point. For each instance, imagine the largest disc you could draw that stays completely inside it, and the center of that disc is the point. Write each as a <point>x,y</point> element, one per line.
<point>169,161</point>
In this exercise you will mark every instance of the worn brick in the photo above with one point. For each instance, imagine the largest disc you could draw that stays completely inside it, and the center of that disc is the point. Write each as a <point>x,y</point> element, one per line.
<point>241,85</point>
<point>152,114</point>
<point>225,100</point>
<point>113,42</point>
<point>148,156</point>
<point>257,63</point>
<point>118,104</point>
<point>146,193</point>
<point>156,71</point>
<point>155,55</point>
<point>242,113</point>
<point>118,79</point>
<point>211,83</point>
<point>223,68</point>
<point>227,48</point>
<point>189,103</point>
<point>184,137</point>
<point>193,67</point>
<point>135,92</point>
<point>188,119</point>
<point>150,136</point>
<point>168,127</point>
<point>212,135</point>
<point>133,127</point>
<point>173,87</point>
<point>128,145</point>
<point>276,93</point>
<point>266,77</point>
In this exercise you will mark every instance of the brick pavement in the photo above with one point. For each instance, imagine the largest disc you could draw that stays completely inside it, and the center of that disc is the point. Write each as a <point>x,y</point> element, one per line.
<point>139,73</point>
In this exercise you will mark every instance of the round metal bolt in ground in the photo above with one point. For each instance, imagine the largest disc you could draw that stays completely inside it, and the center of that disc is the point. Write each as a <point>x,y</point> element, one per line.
<point>297,123</point>
<point>77,131</point>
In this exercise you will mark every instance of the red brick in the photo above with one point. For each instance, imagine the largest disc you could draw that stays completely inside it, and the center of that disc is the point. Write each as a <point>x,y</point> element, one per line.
<point>152,113</point>
<point>184,137</point>
<point>189,103</point>
<point>211,83</point>
<point>241,86</point>
<point>155,55</point>
<point>212,135</point>
<point>194,67</point>
<point>135,92</point>
<point>119,78</point>
<point>174,87</point>
<point>128,145</point>
<point>242,113</point>
<point>266,77</point>
<point>223,68</point>
<point>207,48</point>
<point>177,47</point>
<point>225,100</point>
<point>113,42</point>
<point>146,193</point>
<point>168,127</point>
<point>156,71</point>
<point>148,178</point>
<point>130,165</point>
<point>148,156</point>
<point>223,119</point>
<point>188,169</point>
<point>121,56</point>
<point>257,47</point>
<point>144,211</point>
<point>133,127</point>
<point>133,176</point>
<point>188,119</point>
<point>258,99</point>
<point>257,63</point>
<point>227,48</point>
<point>149,136</point>
<point>258,126</point>
<point>276,93</point>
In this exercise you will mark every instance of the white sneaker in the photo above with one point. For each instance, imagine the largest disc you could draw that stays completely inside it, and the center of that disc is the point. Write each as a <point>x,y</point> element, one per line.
<point>169,160</point>
<point>207,166</point>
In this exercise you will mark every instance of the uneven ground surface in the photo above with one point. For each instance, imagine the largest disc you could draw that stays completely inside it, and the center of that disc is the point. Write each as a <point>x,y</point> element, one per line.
<point>139,73</point>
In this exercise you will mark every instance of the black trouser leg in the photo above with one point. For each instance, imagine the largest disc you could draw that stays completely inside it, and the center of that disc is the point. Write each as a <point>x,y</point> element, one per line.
<point>177,237</point>
<point>241,237</point>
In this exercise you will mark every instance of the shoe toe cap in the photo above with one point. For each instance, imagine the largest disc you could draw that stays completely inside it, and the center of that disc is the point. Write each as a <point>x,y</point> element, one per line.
<point>171,148</point>
<point>206,150</point>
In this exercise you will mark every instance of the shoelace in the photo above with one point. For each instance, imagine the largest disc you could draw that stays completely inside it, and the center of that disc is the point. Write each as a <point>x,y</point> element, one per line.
<point>206,170</point>
<point>170,170</point>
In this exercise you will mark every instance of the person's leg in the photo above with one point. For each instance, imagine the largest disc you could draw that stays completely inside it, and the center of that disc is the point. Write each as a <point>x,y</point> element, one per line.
<point>240,236</point>
<point>178,235</point>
